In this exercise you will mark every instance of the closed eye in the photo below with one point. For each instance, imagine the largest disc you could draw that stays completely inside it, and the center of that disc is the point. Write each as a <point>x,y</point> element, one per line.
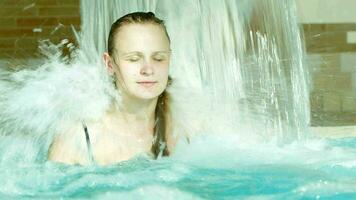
<point>159,59</point>
<point>133,59</point>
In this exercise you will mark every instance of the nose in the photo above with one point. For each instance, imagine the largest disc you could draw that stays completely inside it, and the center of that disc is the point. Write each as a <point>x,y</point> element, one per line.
<point>147,69</point>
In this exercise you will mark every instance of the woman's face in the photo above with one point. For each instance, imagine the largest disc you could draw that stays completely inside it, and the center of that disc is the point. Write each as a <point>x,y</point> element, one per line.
<point>142,56</point>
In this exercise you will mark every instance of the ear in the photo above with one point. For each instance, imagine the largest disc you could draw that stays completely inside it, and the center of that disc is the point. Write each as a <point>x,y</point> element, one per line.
<point>108,63</point>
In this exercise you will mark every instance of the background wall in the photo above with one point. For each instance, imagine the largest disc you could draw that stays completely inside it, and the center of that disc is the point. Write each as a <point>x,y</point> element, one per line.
<point>24,22</point>
<point>330,33</point>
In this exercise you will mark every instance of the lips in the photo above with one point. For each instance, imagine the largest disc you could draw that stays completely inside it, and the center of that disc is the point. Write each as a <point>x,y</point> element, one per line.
<point>147,84</point>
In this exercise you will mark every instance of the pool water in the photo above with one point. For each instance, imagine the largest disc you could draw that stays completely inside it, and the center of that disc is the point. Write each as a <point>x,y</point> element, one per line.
<point>316,169</point>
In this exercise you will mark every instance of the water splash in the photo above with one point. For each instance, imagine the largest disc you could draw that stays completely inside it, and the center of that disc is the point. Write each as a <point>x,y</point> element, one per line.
<point>46,99</point>
<point>239,71</point>
<point>234,68</point>
<point>247,55</point>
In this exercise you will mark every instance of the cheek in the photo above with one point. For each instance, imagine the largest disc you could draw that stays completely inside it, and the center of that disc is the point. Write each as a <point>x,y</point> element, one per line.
<point>127,71</point>
<point>163,69</point>
<point>162,74</point>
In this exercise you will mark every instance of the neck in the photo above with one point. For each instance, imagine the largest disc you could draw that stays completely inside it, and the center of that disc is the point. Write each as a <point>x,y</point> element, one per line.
<point>139,109</point>
<point>137,112</point>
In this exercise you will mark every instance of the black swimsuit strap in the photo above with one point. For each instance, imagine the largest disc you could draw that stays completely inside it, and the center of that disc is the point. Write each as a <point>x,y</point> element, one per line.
<point>87,138</point>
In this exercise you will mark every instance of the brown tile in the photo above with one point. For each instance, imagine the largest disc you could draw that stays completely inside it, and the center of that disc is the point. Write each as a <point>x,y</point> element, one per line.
<point>332,102</point>
<point>19,53</point>
<point>69,2</point>
<point>16,3</point>
<point>7,22</point>
<point>349,103</point>
<point>328,38</point>
<point>75,21</point>
<point>37,21</point>
<point>16,32</point>
<point>7,43</point>
<point>47,21</point>
<point>329,63</point>
<point>59,31</point>
<point>329,27</point>
<point>347,48</point>
<point>59,11</point>
<point>46,2</point>
<point>332,82</point>
<point>316,101</point>
<point>17,11</point>
<point>325,41</point>
<point>26,43</point>
<point>333,119</point>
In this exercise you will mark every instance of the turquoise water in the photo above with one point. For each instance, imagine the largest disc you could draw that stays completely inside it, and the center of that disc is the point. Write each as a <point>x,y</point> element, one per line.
<point>313,170</point>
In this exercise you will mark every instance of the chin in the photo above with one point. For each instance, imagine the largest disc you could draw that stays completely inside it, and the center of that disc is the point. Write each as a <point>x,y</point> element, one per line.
<point>148,95</point>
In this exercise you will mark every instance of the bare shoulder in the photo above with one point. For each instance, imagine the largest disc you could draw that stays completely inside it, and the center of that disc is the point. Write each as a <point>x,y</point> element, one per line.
<point>176,134</point>
<point>184,130</point>
<point>69,146</point>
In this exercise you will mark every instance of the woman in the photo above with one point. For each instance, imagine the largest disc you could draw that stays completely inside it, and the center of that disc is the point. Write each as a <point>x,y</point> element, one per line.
<point>138,59</point>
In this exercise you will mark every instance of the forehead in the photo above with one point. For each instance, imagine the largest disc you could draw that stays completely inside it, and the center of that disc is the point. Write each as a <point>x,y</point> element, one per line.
<point>141,37</point>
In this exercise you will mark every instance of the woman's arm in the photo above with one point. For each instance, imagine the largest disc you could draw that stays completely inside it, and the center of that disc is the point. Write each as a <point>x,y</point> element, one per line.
<point>69,147</point>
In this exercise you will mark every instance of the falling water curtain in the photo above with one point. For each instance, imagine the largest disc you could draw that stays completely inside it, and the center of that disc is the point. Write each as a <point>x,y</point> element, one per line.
<point>248,55</point>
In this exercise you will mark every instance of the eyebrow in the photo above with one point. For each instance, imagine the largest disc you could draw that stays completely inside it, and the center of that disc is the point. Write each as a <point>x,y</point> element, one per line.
<point>140,53</point>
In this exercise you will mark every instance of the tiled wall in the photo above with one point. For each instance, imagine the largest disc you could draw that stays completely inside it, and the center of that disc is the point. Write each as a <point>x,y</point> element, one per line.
<point>330,33</point>
<point>24,22</point>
